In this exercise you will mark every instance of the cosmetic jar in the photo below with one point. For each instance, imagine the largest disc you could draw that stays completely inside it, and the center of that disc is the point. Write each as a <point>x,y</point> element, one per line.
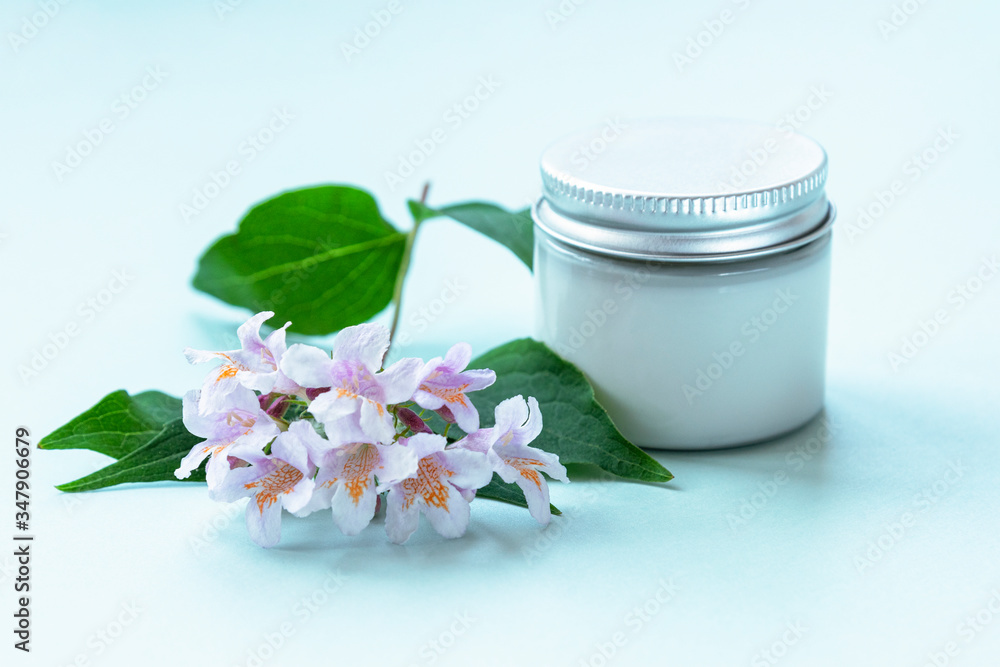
<point>684,266</point>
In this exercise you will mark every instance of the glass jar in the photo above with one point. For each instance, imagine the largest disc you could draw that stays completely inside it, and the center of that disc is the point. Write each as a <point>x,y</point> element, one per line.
<point>683,265</point>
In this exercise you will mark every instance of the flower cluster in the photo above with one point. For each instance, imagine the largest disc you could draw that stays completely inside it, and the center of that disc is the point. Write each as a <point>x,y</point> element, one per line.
<point>298,429</point>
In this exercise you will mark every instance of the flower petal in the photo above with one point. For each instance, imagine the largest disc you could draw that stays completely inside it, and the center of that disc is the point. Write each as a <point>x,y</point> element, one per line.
<point>479,379</point>
<point>332,405</point>
<point>470,470</point>
<point>458,357</point>
<point>203,426</point>
<point>366,343</point>
<point>424,444</point>
<point>288,446</point>
<point>264,523</point>
<point>352,512</point>
<point>533,426</point>
<point>478,441</point>
<point>449,520</point>
<point>299,495</point>
<point>315,445</point>
<point>192,460</point>
<point>249,331</point>
<point>307,365</point>
<point>537,495</point>
<point>217,467</point>
<point>510,414</point>
<point>466,415</point>
<point>402,514</point>
<point>376,422</point>
<point>324,485</point>
<point>523,465</point>
<point>396,463</point>
<point>400,380</point>
<point>234,486</point>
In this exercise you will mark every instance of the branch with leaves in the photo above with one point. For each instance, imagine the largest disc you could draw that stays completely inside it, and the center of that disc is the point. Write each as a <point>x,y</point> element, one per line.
<point>325,260</point>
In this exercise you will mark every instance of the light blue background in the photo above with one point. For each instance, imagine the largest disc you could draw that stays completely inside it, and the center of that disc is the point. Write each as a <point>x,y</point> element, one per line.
<point>539,597</point>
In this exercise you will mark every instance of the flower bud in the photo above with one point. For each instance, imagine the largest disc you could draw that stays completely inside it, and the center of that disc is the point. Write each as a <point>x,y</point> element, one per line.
<point>446,414</point>
<point>412,420</point>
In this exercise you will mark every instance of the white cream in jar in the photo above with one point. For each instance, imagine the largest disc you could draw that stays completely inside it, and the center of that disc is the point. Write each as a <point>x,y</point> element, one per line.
<point>683,265</point>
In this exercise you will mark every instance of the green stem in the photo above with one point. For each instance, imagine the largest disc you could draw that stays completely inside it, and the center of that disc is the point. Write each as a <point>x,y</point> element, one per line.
<point>397,293</point>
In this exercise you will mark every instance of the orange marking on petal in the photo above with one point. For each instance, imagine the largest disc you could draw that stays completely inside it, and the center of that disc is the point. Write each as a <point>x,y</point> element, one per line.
<point>531,475</point>
<point>358,470</point>
<point>279,481</point>
<point>409,487</point>
<point>356,488</point>
<point>429,484</point>
<point>230,369</point>
<point>527,468</point>
<point>448,394</point>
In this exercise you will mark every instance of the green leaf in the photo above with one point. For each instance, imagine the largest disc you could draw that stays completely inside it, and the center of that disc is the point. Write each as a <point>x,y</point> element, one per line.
<point>154,461</point>
<point>500,490</point>
<point>515,230</point>
<point>323,258</point>
<point>117,424</point>
<point>575,426</point>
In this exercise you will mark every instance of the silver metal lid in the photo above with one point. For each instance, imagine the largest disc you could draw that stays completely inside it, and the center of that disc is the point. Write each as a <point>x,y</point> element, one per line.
<point>684,189</point>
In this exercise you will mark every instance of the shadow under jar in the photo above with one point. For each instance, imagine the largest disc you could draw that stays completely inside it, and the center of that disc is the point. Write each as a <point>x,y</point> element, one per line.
<point>684,266</point>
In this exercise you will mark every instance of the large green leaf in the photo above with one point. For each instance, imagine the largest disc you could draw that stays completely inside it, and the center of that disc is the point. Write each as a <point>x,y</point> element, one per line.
<point>500,490</point>
<point>575,426</point>
<point>513,229</point>
<point>154,461</point>
<point>323,258</point>
<point>118,424</point>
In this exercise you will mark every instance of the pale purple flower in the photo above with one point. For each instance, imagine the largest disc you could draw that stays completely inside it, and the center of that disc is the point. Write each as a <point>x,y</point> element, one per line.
<point>434,489</point>
<point>346,447</point>
<point>255,365</point>
<point>356,407</point>
<point>281,479</point>
<point>444,383</point>
<point>239,422</point>
<point>506,448</point>
<point>346,481</point>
